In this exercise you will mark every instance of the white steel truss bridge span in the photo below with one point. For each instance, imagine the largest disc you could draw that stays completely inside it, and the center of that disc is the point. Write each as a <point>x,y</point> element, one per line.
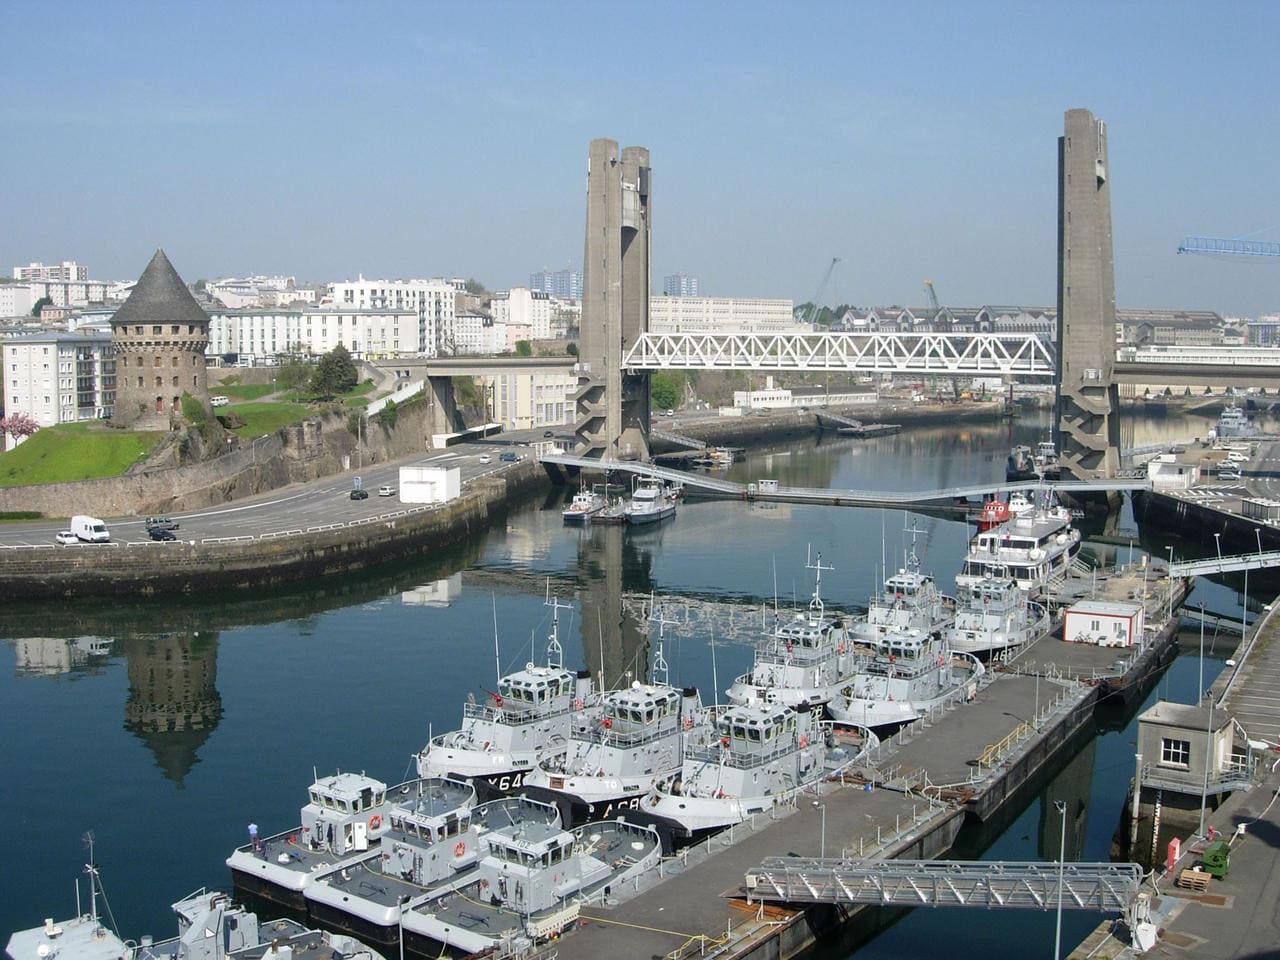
<point>1021,354</point>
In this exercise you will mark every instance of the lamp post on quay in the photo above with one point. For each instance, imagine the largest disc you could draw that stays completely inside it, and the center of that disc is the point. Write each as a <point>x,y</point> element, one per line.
<point>1061,807</point>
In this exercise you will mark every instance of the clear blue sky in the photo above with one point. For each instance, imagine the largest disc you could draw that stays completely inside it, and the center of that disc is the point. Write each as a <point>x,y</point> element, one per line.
<point>912,140</point>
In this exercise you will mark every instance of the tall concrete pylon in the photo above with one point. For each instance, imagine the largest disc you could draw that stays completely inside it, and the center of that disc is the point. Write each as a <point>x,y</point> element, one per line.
<point>613,407</point>
<point>1087,403</point>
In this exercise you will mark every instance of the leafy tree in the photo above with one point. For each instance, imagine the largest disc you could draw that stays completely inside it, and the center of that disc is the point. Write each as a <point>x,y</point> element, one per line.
<point>664,391</point>
<point>292,373</point>
<point>473,286</point>
<point>571,349</point>
<point>524,348</point>
<point>18,425</point>
<point>42,302</point>
<point>390,414</point>
<point>192,409</point>
<point>334,374</point>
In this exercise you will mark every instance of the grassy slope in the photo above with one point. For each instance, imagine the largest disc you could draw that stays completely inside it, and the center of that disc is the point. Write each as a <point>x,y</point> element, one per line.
<point>73,451</point>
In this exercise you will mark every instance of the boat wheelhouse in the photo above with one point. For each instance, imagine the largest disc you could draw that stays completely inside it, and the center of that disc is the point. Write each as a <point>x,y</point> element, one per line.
<point>995,615</point>
<point>1035,549</point>
<point>502,738</point>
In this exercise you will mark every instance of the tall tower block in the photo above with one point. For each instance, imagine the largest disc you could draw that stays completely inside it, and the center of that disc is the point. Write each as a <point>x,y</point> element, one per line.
<point>613,407</point>
<point>159,336</point>
<point>1087,403</point>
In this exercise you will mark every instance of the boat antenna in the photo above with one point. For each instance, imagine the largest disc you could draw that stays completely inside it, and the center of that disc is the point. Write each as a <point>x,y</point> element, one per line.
<point>95,885</point>
<point>815,605</point>
<point>497,659</point>
<point>600,639</point>
<point>555,654</point>
<point>660,673</point>
<point>715,677</point>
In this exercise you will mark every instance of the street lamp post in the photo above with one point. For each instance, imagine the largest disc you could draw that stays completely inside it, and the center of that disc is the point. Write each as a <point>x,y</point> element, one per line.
<point>1217,539</point>
<point>1061,807</point>
<point>1169,579</point>
<point>1208,751</point>
<point>822,849</point>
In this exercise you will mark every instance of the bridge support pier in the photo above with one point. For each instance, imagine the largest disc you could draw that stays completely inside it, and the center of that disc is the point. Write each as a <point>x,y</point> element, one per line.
<point>444,407</point>
<point>1087,403</point>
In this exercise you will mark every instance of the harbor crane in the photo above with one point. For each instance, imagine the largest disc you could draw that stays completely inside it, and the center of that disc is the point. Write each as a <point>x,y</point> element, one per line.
<point>933,296</point>
<point>815,309</point>
<point>1230,247</point>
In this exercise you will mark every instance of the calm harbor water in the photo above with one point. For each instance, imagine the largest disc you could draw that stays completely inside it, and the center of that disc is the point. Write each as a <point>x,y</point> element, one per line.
<point>203,714</point>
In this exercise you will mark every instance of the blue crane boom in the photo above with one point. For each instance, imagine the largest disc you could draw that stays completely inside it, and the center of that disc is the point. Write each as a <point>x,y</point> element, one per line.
<point>1229,247</point>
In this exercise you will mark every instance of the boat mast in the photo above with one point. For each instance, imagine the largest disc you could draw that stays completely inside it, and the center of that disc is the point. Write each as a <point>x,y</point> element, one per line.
<point>555,654</point>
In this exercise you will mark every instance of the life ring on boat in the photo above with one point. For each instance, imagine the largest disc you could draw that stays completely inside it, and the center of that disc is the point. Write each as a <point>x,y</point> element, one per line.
<point>687,723</point>
<point>484,884</point>
<point>840,648</point>
<point>804,740</point>
<point>939,659</point>
<point>577,704</point>
<point>459,848</point>
<point>375,822</point>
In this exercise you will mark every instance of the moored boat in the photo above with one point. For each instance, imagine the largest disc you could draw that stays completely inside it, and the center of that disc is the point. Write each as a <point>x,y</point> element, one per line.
<point>651,501</point>
<point>614,756</point>
<point>531,883</point>
<point>211,926</point>
<point>1035,549</point>
<point>903,675</point>
<point>764,753</point>
<point>995,615</point>
<point>435,843</point>
<point>585,505</point>
<point>344,818</point>
<point>503,738</point>
<point>909,600</point>
<point>801,660</point>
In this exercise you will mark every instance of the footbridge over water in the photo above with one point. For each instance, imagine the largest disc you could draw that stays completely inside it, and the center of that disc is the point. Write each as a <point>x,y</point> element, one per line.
<point>770,491</point>
<point>946,883</point>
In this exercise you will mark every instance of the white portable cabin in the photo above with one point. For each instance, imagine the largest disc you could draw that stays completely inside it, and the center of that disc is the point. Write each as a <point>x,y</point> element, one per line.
<point>423,484</point>
<point>1105,623</point>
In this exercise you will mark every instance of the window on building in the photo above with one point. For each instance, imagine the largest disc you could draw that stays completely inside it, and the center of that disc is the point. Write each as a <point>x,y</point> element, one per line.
<point>139,382</point>
<point>159,381</point>
<point>156,329</point>
<point>1175,753</point>
<point>173,328</point>
<point>175,361</point>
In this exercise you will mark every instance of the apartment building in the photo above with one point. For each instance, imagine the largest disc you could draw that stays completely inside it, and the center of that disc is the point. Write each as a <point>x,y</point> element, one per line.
<point>55,377</point>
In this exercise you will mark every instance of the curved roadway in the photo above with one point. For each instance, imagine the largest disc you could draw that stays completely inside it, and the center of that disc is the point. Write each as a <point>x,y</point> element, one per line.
<point>300,505</point>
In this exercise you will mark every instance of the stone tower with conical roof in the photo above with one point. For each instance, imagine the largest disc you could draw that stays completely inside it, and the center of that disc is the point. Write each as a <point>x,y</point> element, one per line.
<point>159,336</point>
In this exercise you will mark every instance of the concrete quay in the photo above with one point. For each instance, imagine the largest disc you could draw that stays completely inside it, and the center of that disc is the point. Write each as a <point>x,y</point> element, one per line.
<point>967,760</point>
<point>1238,916</point>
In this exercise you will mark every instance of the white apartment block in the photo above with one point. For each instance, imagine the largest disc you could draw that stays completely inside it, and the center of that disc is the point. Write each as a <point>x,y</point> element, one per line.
<point>255,335</point>
<point>434,301</point>
<point>67,270</point>
<point>522,401</point>
<point>63,293</point>
<point>675,315</point>
<point>474,334</point>
<point>238,293</point>
<point>17,299</point>
<point>57,377</point>
<point>528,308</point>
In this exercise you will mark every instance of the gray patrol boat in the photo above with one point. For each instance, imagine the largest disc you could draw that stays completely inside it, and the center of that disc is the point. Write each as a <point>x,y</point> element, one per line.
<point>211,926</point>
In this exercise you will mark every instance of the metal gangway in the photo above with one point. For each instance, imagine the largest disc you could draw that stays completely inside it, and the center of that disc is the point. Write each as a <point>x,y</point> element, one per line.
<point>837,418</point>
<point>679,439</point>
<point>825,495</point>
<point>1244,561</point>
<point>946,883</point>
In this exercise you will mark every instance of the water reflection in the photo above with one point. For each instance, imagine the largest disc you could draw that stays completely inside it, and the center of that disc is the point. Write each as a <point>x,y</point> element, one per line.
<point>173,704</point>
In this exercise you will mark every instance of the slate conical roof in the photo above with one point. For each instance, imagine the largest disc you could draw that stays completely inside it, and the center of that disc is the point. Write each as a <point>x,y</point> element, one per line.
<point>160,296</point>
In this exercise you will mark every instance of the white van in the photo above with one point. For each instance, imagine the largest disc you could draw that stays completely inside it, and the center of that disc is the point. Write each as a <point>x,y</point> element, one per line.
<point>90,530</point>
<point>218,401</point>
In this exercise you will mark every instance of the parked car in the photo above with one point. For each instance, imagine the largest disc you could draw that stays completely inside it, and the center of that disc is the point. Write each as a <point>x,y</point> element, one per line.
<point>386,490</point>
<point>66,537</point>
<point>160,533</point>
<point>485,458</point>
<point>359,493</point>
<point>164,523</point>
<point>1228,475</point>
<point>509,457</point>
<point>548,433</point>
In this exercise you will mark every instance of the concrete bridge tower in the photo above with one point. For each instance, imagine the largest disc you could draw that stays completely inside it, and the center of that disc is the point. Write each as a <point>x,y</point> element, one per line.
<point>1088,423</point>
<point>613,407</point>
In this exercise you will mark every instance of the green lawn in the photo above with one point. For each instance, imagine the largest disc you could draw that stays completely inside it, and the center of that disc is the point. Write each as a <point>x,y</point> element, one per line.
<point>242,391</point>
<point>260,418</point>
<point>74,451</point>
